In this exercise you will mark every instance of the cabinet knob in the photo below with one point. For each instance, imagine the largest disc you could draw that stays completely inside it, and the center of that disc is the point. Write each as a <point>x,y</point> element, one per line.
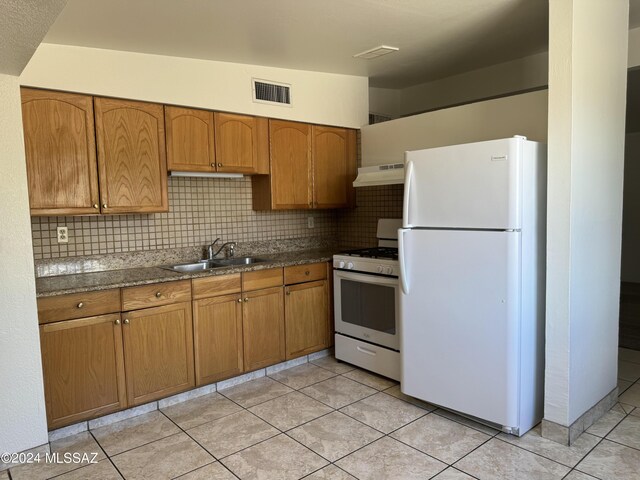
<point>246,299</point>
<point>239,300</point>
<point>219,164</point>
<point>95,205</point>
<point>307,272</point>
<point>158,294</point>
<point>117,322</point>
<point>288,292</point>
<point>104,205</point>
<point>80,305</point>
<point>126,321</point>
<point>213,164</point>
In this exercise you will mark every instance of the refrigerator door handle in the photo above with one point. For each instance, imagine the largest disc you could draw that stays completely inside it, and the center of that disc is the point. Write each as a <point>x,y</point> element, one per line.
<point>403,272</point>
<point>407,192</point>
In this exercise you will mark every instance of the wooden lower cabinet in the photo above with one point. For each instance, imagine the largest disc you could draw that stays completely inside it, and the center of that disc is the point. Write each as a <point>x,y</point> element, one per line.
<point>263,328</point>
<point>158,348</point>
<point>217,325</point>
<point>83,369</point>
<point>306,315</point>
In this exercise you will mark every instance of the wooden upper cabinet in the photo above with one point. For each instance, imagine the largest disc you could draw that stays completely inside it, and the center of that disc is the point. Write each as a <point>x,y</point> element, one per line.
<point>59,138</point>
<point>83,369</point>
<point>334,165</point>
<point>242,143</point>
<point>291,174</point>
<point>311,167</point>
<point>131,156</point>
<point>190,140</point>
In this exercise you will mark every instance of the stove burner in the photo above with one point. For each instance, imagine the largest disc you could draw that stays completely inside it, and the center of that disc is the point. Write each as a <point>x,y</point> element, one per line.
<point>374,252</point>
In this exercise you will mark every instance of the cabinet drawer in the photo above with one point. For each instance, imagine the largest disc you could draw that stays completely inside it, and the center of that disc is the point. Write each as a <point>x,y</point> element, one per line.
<point>78,305</point>
<point>156,294</point>
<point>216,285</point>
<point>305,273</point>
<point>262,279</point>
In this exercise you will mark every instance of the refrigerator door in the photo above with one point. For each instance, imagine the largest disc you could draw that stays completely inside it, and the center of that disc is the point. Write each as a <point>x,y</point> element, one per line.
<point>475,185</point>
<point>459,321</point>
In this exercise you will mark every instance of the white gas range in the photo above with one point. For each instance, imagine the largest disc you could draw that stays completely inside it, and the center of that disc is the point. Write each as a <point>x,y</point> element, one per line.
<point>366,293</point>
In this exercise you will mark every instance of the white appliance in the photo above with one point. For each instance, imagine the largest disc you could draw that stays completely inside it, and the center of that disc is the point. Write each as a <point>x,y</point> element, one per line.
<point>472,256</point>
<point>367,299</point>
<point>390,174</point>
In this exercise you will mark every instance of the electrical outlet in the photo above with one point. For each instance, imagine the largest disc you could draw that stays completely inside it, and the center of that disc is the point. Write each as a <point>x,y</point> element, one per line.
<point>311,223</point>
<point>63,235</point>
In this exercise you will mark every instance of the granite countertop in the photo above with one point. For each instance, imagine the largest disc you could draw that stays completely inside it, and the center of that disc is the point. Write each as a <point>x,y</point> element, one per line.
<point>87,282</point>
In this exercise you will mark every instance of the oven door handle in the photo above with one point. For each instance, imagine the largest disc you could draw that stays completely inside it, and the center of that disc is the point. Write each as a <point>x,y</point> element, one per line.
<point>403,271</point>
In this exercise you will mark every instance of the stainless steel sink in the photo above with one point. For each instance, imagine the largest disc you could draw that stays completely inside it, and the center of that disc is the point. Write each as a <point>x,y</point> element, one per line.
<point>225,262</point>
<point>205,265</point>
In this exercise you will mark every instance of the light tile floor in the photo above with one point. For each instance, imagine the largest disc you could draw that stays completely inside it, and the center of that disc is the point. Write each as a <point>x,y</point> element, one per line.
<point>329,420</point>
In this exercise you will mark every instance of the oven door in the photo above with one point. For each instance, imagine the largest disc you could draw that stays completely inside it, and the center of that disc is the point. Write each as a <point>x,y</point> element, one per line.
<point>367,307</point>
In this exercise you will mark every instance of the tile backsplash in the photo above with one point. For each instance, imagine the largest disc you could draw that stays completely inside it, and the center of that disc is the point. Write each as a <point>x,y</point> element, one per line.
<point>201,209</point>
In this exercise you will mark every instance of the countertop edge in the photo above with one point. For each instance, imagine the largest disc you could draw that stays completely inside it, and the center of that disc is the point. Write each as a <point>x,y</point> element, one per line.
<point>169,276</point>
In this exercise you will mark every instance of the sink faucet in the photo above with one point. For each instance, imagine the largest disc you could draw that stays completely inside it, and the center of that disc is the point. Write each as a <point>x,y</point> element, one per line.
<point>230,251</point>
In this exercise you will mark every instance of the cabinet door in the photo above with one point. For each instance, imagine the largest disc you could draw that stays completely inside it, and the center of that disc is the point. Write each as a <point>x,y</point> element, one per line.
<point>242,143</point>
<point>83,369</point>
<point>217,325</point>
<point>131,156</point>
<point>263,328</point>
<point>190,140</point>
<point>290,165</point>
<point>59,138</point>
<point>158,347</point>
<point>333,166</point>
<point>306,318</point>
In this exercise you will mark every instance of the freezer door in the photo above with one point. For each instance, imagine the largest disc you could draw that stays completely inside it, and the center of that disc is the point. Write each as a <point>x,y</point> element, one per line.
<point>475,185</point>
<point>459,321</point>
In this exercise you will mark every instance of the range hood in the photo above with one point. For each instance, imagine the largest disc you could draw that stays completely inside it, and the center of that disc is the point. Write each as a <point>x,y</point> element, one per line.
<point>174,173</point>
<point>390,174</point>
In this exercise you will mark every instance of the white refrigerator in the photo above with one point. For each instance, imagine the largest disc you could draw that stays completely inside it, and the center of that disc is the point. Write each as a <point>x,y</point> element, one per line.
<point>472,274</point>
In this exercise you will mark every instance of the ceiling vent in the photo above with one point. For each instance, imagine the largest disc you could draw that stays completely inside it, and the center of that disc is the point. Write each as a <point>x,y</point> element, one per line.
<point>274,93</point>
<point>376,52</point>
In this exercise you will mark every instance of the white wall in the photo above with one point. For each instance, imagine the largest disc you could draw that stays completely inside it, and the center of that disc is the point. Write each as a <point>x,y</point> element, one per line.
<point>502,79</point>
<point>524,114</point>
<point>587,91</point>
<point>509,77</point>
<point>631,210</point>
<point>324,98</point>
<point>22,410</point>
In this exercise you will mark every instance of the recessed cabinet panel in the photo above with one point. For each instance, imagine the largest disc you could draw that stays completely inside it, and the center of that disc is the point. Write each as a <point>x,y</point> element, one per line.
<point>131,156</point>
<point>59,138</point>
<point>190,140</point>
<point>83,369</point>
<point>290,165</point>
<point>218,338</point>
<point>158,346</point>
<point>306,318</point>
<point>263,328</point>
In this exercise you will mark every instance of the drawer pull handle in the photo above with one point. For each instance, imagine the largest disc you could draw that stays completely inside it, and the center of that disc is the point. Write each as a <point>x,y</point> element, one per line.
<point>246,299</point>
<point>158,294</point>
<point>117,322</point>
<point>80,305</point>
<point>365,351</point>
<point>126,322</point>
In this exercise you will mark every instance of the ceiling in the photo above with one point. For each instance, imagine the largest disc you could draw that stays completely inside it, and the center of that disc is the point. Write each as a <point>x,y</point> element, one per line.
<point>23,24</point>
<point>437,38</point>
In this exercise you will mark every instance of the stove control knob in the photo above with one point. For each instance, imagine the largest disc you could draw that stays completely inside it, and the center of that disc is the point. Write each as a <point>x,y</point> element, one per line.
<point>380,269</point>
<point>350,265</point>
<point>341,264</point>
